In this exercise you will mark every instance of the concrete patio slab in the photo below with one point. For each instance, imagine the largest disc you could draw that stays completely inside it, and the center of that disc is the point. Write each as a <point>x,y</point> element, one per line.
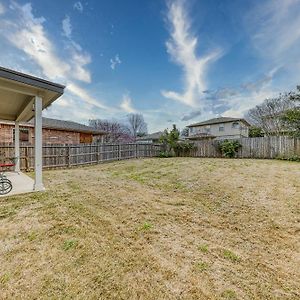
<point>21,183</point>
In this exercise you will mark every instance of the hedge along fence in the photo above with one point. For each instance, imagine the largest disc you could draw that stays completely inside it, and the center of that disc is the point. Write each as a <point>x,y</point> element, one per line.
<point>261,147</point>
<point>55,156</point>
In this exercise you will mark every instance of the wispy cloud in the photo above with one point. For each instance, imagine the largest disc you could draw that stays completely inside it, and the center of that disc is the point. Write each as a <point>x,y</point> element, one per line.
<point>115,61</point>
<point>247,96</point>
<point>78,6</point>
<point>67,27</point>
<point>126,104</point>
<point>83,94</point>
<point>28,34</point>
<point>2,9</point>
<point>275,26</point>
<point>182,47</point>
<point>191,115</point>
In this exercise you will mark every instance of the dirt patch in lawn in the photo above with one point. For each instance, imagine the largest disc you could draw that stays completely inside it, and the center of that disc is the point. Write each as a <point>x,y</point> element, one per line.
<point>179,228</point>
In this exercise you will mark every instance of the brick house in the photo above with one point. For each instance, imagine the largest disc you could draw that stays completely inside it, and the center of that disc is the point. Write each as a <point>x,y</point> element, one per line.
<point>54,132</point>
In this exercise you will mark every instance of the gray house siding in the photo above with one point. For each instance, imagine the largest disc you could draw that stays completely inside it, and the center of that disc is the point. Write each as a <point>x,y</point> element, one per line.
<point>226,130</point>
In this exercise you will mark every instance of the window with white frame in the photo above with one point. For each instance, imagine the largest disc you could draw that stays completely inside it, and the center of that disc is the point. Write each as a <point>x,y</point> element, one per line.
<point>221,127</point>
<point>236,125</point>
<point>207,128</point>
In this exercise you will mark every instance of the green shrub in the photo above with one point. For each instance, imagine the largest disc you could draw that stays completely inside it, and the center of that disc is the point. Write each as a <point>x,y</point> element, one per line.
<point>165,154</point>
<point>183,148</point>
<point>289,158</point>
<point>229,148</point>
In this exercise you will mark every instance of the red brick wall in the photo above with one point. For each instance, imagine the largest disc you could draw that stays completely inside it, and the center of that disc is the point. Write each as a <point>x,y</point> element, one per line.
<point>50,136</point>
<point>6,133</point>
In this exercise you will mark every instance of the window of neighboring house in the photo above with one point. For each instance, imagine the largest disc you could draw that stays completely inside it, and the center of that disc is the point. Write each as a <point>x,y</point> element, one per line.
<point>24,135</point>
<point>221,127</point>
<point>236,125</point>
<point>207,128</point>
<point>191,130</point>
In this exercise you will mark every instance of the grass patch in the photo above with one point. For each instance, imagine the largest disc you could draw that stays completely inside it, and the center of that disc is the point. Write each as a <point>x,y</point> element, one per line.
<point>231,256</point>
<point>229,294</point>
<point>146,226</point>
<point>203,248</point>
<point>69,244</point>
<point>4,278</point>
<point>202,266</point>
<point>96,233</point>
<point>32,236</point>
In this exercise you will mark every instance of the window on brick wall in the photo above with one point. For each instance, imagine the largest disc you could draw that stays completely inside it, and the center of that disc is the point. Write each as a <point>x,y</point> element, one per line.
<point>24,134</point>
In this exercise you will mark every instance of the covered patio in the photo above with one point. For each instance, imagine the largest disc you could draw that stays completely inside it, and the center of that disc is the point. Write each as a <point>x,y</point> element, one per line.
<point>23,97</point>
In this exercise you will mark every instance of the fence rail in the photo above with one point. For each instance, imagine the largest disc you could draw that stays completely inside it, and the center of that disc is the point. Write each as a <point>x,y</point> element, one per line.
<point>55,156</point>
<point>261,147</point>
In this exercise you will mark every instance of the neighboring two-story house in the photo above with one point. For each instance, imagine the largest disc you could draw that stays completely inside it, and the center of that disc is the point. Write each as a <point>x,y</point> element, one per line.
<point>219,128</point>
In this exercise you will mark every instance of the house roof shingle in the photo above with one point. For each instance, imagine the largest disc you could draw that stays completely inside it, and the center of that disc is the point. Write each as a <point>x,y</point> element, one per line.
<point>68,126</point>
<point>217,121</point>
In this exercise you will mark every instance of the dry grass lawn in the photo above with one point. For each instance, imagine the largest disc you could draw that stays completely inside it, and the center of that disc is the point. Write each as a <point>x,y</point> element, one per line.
<point>178,228</point>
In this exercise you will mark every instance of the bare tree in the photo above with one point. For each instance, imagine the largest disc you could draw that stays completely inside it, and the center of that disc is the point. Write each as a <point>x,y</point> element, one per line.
<point>268,115</point>
<point>137,124</point>
<point>184,132</point>
<point>116,131</point>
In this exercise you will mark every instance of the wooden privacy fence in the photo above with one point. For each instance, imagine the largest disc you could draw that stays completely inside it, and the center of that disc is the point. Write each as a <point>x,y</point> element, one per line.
<point>74,155</point>
<point>55,156</point>
<point>261,147</point>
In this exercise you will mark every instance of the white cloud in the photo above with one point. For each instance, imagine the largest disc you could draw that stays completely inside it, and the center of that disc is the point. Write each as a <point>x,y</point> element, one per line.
<point>182,47</point>
<point>34,52</point>
<point>78,6</point>
<point>67,27</point>
<point>28,34</point>
<point>252,95</point>
<point>84,95</point>
<point>126,104</point>
<point>115,61</point>
<point>275,26</point>
<point>2,9</point>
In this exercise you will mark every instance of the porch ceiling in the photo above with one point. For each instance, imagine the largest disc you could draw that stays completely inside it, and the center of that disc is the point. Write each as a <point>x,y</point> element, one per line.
<point>17,92</point>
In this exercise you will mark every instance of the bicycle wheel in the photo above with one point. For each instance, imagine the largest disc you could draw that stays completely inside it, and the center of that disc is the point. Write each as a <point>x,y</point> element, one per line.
<point>5,186</point>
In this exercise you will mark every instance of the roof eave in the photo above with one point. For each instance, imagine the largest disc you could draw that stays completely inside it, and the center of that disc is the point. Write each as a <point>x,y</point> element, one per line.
<point>31,80</point>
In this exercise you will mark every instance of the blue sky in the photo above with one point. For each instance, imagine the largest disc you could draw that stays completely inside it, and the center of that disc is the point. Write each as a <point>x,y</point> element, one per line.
<point>173,61</point>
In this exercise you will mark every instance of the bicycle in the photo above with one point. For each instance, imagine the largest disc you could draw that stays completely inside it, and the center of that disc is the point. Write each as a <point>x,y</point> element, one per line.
<point>5,184</point>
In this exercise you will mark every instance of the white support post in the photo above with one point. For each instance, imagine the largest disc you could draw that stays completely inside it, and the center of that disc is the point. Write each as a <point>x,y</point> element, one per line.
<point>17,147</point>
<point>38,144</point>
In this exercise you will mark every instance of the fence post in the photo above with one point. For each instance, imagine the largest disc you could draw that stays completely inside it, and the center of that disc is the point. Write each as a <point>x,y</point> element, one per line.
<point>26,159</point>
<point>119,152</point>
<point>136,150</point>
<point>69,156</point>
<point>97,154</point>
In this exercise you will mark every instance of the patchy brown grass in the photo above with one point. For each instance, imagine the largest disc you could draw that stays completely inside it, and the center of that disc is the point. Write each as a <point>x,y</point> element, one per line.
<point>180,228</point>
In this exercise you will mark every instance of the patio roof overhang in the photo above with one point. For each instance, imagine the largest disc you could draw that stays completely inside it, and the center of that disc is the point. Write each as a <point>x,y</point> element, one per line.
<point>17,93</point>
<point>23,97</point>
